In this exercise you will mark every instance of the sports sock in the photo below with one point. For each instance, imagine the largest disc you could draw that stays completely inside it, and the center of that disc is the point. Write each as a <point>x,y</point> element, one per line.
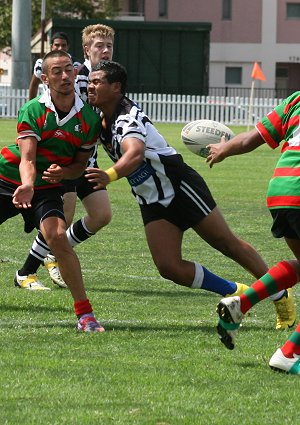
<point>292,345</point>
<point>39,250</point>
<point>279,277</point>
<point>78,232</point>
<point>204,279</point>
<point>82,307</point>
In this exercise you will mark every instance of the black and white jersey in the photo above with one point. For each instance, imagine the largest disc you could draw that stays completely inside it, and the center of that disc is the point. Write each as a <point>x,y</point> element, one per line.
<point>159,175</point>
<point>81,86</point>
<point>37,69</point>
<point>81,82</point>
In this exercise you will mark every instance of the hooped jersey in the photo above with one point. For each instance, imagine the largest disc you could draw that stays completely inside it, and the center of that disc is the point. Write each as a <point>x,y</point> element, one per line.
<point>282,124</point>
<point>159,175</point>
<point>58,140</point>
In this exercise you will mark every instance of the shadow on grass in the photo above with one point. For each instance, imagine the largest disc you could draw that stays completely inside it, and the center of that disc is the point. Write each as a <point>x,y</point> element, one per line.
<point>33,308</point>
<point>172,327</point>
<point>115,326</point>
<point>154,292</point>
<point>38,325</point>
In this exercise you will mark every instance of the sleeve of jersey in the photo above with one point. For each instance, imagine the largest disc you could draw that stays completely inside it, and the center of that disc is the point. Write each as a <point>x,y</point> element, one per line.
<point>130,127</point>
<point>27,125</point>
<point>272,127</point>
<point>81,85</point>
<point>37,70</point>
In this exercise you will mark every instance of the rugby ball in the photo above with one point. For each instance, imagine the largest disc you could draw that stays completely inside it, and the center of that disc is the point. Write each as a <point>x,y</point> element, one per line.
<point>196,135</point>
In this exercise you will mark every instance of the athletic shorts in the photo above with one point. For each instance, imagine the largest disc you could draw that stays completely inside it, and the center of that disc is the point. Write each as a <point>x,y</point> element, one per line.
<point>81,186</point>
<point>45,203</point>
<point>192,202</point>
<point>286,223</point>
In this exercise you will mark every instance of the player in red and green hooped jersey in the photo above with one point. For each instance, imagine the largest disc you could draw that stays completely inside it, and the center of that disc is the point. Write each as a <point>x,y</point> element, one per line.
<point>56,133</point>
<point>58,140</point>
<point>280,126</point>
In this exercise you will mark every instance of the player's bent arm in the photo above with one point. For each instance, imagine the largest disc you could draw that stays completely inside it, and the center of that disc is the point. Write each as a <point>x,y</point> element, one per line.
<point>240,144</point>
<point>23,194</point>
<point>133,155</point>
<point>55,173</point>
<point>77,167</point>
<point>34,86</point>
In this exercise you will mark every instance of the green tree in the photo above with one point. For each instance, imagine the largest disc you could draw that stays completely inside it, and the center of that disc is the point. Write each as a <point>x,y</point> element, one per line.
<point>81,9</point>
<point>5,23</point>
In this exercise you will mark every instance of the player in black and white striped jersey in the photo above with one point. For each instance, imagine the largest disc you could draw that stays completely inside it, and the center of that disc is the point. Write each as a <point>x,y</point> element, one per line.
<point>59,41</point>
<point>172,196</point>
<point>97,44</point>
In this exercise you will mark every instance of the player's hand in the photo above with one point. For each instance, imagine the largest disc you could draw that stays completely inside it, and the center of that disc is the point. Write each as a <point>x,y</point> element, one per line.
<point>22,196</point>
<point>54,174</point>
<point>97,176</point>
<point>216,152</point>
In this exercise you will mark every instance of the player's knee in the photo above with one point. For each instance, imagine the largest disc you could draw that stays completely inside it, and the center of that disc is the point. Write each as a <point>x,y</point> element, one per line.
<point>167,271</point>
<point>95,222</point>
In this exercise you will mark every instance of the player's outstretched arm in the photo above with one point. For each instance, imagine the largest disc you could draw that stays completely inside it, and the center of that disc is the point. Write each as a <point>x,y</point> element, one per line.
<point>242,143</point>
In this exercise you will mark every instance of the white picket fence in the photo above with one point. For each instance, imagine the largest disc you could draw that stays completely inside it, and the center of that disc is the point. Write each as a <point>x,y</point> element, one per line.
<point>170,108</point>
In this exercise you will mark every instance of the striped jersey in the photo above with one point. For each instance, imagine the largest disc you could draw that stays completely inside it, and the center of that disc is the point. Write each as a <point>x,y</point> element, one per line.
<point>282,124</point>
<point>81,88</point>
<point>58,140</point>
<point>159,175</point>
<point>82,79</point>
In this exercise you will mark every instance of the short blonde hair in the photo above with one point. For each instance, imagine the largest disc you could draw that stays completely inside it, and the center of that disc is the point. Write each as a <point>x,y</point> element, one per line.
<point>92,31</point>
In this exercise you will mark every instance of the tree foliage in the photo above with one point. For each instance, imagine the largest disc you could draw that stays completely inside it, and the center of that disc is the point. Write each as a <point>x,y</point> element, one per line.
<point>80,9</point>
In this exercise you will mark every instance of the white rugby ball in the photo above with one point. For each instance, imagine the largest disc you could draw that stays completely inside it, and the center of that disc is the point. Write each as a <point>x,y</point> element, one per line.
<point>196,135</point>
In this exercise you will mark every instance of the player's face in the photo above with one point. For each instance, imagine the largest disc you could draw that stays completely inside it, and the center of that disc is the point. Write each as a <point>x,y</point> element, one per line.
<point>100,49</point>
<point>60,76</point>
<point>59,44</point>
<point>100,91</point>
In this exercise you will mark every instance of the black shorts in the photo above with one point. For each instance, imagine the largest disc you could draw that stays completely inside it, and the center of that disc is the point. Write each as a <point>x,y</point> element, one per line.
<point>45,203</point>
<point>193,201</point>
<point>81,186</point>
<point>286,223</point>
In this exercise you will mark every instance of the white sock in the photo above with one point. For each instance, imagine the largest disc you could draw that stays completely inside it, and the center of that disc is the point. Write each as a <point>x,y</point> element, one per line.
<point>277,296</point>
<point>199,275</point>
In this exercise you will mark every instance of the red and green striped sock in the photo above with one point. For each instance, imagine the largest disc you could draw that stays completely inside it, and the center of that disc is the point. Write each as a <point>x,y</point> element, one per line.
<point>281,276</point>
<point>293,344</point>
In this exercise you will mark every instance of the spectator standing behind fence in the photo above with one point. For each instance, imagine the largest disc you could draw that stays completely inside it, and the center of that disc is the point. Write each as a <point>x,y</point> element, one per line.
<point>59,41</point>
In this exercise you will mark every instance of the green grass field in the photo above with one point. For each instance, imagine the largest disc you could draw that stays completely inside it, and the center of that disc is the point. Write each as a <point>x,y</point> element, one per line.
<point>160,361</point>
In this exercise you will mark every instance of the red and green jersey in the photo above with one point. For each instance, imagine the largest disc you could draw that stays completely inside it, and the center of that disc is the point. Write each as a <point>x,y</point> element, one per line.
<point>283,125</point>
<point>58,140</point>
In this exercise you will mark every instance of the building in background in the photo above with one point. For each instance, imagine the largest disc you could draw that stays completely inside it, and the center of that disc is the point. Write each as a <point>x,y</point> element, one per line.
<point>243,32</point>
<point>5,66</point>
